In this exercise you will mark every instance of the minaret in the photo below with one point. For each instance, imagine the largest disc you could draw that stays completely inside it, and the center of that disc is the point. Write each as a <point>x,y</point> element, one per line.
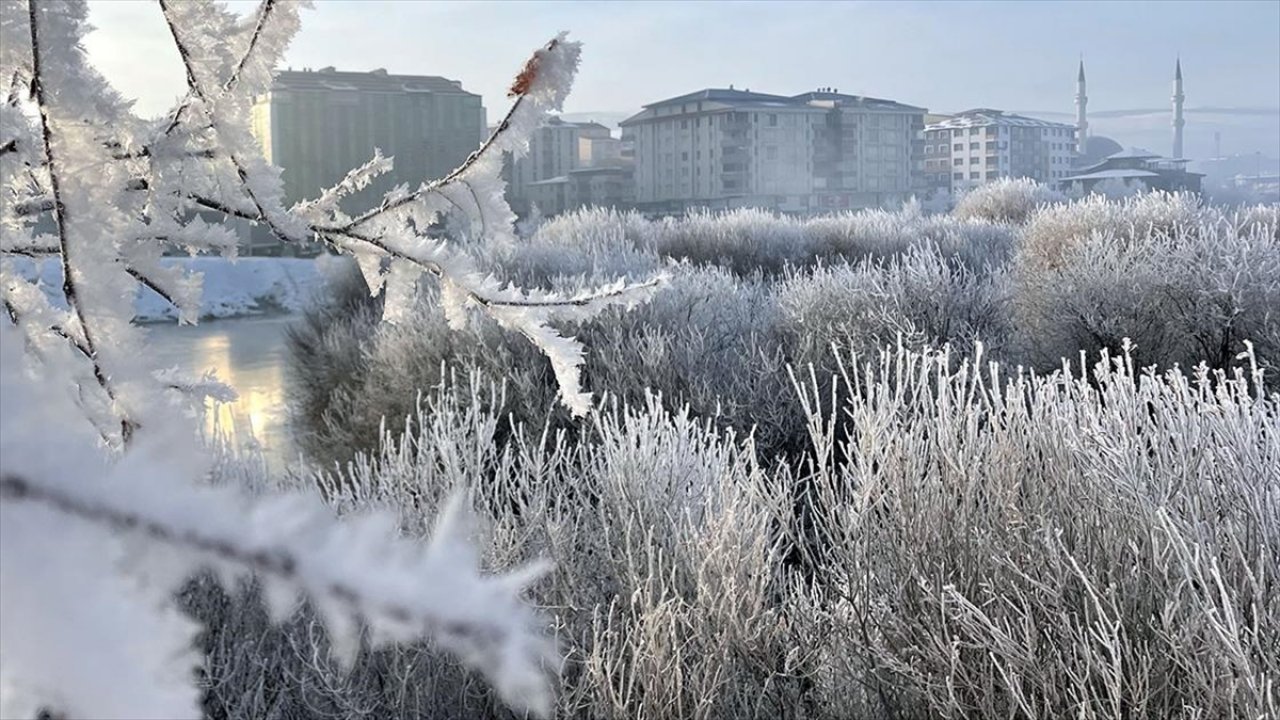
<point>1178,122</point>
<point>1082,122</point>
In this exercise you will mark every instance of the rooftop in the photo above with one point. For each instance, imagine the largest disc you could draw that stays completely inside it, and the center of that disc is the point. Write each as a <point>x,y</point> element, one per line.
<point>328,78</point>
<point>980,117</point>
<point>1119,173</point>
<point>861,101</point>
<point>724,95</point>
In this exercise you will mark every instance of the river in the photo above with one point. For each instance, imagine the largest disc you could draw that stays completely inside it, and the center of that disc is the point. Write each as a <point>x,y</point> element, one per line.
<point>249,355</point>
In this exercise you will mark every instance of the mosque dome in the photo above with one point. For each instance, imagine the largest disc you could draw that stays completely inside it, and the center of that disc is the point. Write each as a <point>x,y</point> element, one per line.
<point>1096,149</point>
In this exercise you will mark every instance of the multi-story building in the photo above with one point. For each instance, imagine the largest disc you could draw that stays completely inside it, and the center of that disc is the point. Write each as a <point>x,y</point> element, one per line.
<point>721,148</point>
<point>865,152</point>
<point>607,186</point>
<point>977,146</point>
<point>317,125</point>
<point>556,149</point>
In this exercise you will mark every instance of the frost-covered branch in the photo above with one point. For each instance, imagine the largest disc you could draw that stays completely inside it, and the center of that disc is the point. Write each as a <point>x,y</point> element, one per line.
<point>126,523</point>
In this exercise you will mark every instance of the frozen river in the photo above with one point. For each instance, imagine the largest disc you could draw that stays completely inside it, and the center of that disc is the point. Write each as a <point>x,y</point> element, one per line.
<point>249,355</point>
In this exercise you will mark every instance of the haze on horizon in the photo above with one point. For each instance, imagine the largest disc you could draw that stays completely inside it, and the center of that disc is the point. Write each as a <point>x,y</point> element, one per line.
<point>948,56</point>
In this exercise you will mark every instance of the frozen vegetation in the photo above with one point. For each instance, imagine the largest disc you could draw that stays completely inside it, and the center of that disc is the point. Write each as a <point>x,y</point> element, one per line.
<point>1021,459</point>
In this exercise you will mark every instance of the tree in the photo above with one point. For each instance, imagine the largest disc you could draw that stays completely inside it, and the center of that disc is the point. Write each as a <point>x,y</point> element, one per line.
<point>115,509</point>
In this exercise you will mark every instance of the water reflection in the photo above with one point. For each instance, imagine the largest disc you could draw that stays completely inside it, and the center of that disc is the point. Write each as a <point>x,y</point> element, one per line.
<point>247,354</point>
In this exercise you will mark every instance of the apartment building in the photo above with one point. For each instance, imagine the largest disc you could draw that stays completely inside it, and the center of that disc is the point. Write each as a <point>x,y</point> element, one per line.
<point>556,149</point>
<point>317,125</point>
<point>720,148</point>
<point>978,146</point>
<point>866,150</point>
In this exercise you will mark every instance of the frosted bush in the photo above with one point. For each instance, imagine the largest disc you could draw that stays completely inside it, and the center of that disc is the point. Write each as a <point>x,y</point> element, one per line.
<point>1056,228</point>
<point>988,543</point>
<point>1186,284</point>
<point>919,299</point>
<point>994,544</point>
<point>1007,200</point>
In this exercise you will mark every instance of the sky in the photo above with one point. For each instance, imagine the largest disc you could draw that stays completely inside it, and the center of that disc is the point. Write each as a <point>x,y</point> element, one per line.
<point>947,56</point>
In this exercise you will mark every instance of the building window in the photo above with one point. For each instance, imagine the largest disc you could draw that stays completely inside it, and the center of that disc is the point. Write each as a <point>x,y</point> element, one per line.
<point>957,161</point>
<point>957,132</point>
<point>958,176</point>
<point>974,131</point>
<point>975,146</point>
<point>973,160</point>
<point>773,120</point>
<point>684,157</point>
<point>928,149</point>
<point>958,147</point>
<point>975,175</point>
<point>684,124</point>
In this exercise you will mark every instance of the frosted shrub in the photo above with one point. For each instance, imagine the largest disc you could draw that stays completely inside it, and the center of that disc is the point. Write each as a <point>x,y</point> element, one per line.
<point>990,544</point>
<point>1056,228</point>
<point>1186,284</point>
<point>1000,545</point>
<point>709,342</point>
<point>591,242</point>
<point>1007,200</point>
<point>744,241</point>
<point>920,299</point>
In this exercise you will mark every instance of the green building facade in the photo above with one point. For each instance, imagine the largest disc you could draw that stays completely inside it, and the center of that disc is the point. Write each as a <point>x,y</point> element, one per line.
<point>317,125</point>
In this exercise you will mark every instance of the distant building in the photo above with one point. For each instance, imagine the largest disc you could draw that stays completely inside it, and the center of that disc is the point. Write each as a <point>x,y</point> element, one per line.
<point>978,146</point>
<point>721,148</point>
<point>867,151</point>
<point>556,149</point>
<point>585,187</point>
<point>317,125</point>
<point>1136,168</point>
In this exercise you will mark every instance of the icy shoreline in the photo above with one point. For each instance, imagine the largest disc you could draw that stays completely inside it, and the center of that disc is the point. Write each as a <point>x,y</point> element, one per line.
<point>231,288</point>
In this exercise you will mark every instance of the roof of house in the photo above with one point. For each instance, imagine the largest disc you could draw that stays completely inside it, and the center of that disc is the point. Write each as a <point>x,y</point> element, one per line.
<point>723,95</point>
<point>375,81</point>
<point>1117,173</point>
<point>861,101</point>
<point>980,117</point>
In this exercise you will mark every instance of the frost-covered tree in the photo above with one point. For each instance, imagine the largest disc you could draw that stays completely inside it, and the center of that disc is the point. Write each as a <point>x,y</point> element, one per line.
<point>115,509</point>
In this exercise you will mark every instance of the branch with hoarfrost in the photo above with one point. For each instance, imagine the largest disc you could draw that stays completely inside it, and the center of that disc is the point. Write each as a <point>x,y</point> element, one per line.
<point>120,515</point>
<point>140,514</point>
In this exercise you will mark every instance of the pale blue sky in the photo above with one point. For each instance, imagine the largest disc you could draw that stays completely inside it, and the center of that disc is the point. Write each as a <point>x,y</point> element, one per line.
<point>947,56</point>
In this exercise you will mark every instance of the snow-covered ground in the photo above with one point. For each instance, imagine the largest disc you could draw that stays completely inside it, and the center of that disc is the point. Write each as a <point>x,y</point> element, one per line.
<point>248,286</point>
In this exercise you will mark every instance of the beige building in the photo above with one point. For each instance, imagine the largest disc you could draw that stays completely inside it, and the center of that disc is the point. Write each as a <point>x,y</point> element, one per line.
<point>721,148</point>
<point>978,146</point>
<point>608,186</point>
<point>555,150</point>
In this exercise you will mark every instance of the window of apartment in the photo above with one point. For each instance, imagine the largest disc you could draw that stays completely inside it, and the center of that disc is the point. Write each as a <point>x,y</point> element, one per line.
<point>991,131</point>
<point>974,131</point>
<point>773,120</point>
<point>928,149</point>
<point>974,160</point>
<point>975,175</point>
<point>957,132</point>
<point>975,146</point>
<point>958,147</point>
<point>991,160</point>
<point>684,156</point>
<point>958,176</point>
<point>957,161</point>
<point>684,124</point>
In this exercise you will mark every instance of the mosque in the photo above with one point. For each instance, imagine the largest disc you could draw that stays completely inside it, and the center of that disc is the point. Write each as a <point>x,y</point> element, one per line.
<point>1102,159</point>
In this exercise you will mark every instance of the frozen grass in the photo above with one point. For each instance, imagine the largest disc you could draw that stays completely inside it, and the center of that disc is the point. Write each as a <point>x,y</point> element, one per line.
<point>961,541</point>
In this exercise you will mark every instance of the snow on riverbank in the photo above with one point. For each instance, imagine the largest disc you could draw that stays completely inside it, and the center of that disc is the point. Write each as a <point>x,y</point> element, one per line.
<point>248,286</point>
